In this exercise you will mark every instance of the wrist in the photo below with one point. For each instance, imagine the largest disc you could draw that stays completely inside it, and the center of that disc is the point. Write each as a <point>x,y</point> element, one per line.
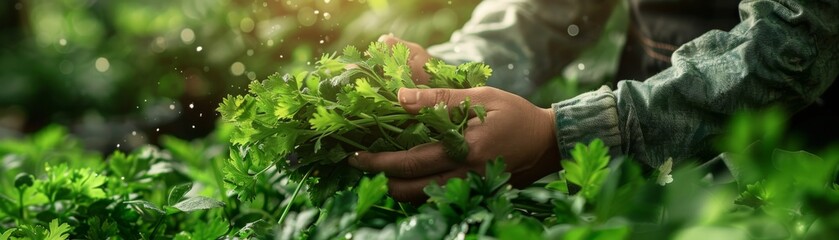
<point>550,156</point>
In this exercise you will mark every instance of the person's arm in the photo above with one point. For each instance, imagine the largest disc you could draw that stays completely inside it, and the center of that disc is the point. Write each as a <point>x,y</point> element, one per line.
<point>783,52</point>
<point>526,42</point>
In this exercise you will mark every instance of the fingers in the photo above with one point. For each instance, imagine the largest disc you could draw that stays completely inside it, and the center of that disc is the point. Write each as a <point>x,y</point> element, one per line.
<point>422,160</point>
<point>417,57</point>
<point>410,190</point>
<point>413,100</point>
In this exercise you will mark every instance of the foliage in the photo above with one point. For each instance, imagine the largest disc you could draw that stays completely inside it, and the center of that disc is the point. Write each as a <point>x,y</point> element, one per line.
<point>61,191</point>
<point>178,193</point>
<point>312,121</point>
<point>116,67</point>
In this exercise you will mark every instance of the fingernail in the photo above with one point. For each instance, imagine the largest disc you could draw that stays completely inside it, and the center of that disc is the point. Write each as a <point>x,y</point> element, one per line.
<point>408,96</point>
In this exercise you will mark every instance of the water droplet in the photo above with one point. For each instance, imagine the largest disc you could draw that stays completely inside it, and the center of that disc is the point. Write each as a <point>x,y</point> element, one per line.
<point>133,133</point>
<point>200,115</point>
<point>187,36</point>
<point>237,68</point>
<point>270,42</point>
<point>199,48</point>
<point>102,64</point>
<point>193,126</point>
<point>581,66</point>
<point>171,106</point>
<point>250,52</point>
<point>191,106</point>
<point>326,16</point>
<point>62,42</point>
<point>348,236</point>
<point>573,30</point>
<point>252,75</point>
<point>117,145</point>
<point>265,4</point>
<point>510,66</point>
<point>321,41</point>
<point>157,130</point>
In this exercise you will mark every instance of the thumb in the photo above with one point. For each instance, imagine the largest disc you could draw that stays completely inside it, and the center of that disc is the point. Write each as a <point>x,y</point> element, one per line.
<point>413,100</point>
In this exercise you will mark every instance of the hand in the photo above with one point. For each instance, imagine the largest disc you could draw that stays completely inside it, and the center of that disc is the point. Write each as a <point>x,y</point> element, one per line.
<point>514,128</point>
<point>416,59</point>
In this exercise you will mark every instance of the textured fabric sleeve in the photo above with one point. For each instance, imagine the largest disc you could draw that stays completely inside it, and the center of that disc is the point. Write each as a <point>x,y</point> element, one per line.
<point>526,42</point>
<point>784,52</point>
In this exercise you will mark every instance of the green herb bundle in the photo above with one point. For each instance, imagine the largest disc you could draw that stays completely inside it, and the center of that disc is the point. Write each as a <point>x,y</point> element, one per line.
<point>307,123</point>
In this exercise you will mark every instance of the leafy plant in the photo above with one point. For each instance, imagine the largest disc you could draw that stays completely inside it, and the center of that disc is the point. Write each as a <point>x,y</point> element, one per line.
<point>306,124</point>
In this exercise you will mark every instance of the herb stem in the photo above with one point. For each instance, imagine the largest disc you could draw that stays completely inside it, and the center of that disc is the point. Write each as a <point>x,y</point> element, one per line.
<point>22,208</point>
<point>389,210</point>
<point>347,141</point>
<point>294,195</point>
<point>402,207</point>
<point>157,226</point>
<point>382,85</point>
<point>367,119</point>
<point>391,127</point>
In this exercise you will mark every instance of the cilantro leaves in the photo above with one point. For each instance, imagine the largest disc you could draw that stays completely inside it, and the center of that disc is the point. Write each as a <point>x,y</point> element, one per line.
<point>313,120</point>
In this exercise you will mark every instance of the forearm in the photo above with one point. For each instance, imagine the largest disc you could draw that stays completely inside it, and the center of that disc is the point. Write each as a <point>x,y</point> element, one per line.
<point>783,53</point>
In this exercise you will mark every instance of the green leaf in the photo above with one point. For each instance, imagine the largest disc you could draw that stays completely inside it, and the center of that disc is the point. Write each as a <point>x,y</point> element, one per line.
<point>422,226</point>
<point>7,234</point>
<point>414,135</point>
<point>197,203</point>
<point>338,216</point>
<point>369,192</point>
<point>128,167</point>
<point>177,193</point>
<point>518,229</point>
<point>437,118</point>
<point>331,179</point>
<point>588,167</point>
<point>351,54</point>
<point>58,232</point>
<point>456,192</point>
<point>328,121</point>
<point>475,74</point>
<point>24,180</point>
<point>756,195</point>
<point>101,229</point>
<point>496,175</point>
<point>213,228</point>
<point>143,206</point>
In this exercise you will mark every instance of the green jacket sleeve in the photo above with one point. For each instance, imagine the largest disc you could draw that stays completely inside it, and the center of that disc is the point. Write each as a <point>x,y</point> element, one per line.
<point>526,41</point>
<point>783,52</point>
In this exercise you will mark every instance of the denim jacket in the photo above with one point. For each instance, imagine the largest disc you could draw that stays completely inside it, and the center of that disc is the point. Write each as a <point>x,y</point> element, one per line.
<point>783,52</point>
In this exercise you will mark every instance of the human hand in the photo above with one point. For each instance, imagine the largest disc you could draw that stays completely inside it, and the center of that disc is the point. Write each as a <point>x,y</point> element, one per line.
<point>416,59</point>
<point>513,128</point>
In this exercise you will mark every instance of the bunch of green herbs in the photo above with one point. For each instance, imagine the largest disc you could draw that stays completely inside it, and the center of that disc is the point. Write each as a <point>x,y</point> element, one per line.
<point>307,123</point>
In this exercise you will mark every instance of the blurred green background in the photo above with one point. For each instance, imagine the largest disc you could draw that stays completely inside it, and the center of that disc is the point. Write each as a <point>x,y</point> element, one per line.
<point>120,74</point>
